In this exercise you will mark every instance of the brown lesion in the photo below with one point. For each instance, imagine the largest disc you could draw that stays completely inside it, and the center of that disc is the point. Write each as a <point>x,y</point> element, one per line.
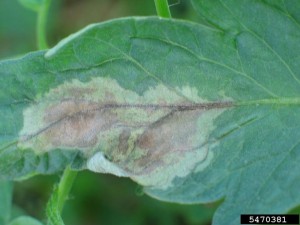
<point>79,123</point>
<point>123,146</point>
<point>158,133</point>
<point>169,134</point>
<point>76,123</point>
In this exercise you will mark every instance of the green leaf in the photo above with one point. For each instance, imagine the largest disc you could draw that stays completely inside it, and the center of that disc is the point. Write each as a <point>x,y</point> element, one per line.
<point>191,112</point>
<point>34,5</point>
<point>25,220</point>
<point>263,174</point>
<point>5,199</point>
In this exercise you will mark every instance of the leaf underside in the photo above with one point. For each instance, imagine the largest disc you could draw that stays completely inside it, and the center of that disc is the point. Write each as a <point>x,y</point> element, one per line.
<point>176,73</point>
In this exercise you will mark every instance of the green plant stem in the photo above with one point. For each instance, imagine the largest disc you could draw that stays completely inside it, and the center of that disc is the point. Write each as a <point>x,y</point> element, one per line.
<point>59,196</point>
<point>162,8</point>
<point>41,25</point>
<point>65,186</point>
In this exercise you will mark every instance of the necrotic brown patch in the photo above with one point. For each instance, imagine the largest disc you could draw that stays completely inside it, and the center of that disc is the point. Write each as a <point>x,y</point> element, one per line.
<point>77,124</point>
<point>139,134</point>
<point>169,135</point>
<point>123,141</point>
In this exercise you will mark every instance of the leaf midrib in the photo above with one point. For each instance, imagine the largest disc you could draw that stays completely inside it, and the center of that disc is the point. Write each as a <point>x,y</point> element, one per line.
<point>270,101</point>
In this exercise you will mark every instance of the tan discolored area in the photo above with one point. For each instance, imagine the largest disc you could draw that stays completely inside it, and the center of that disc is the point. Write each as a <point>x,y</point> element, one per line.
<point>124,137</point>
<point>170,132</point>
<point>151,138</point>
<point>76,124</point>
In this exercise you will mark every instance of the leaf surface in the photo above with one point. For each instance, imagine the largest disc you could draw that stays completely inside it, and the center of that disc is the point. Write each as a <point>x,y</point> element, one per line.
<point>193,113</point>
<point>25,220</point>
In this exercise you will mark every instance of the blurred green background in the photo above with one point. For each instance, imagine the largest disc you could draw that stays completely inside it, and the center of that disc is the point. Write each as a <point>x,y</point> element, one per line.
<point>17,24</point>
<point>96,198</point>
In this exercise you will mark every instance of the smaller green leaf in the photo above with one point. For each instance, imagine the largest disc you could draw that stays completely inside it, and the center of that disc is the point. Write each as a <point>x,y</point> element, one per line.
<point>5,201</point>
<point>25,220</point>
<point>34,5</point>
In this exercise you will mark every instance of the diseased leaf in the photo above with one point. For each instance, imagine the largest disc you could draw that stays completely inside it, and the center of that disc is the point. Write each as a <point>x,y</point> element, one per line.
<point>191,112</point>
<point>139,136</point>
<point>64,116</point>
